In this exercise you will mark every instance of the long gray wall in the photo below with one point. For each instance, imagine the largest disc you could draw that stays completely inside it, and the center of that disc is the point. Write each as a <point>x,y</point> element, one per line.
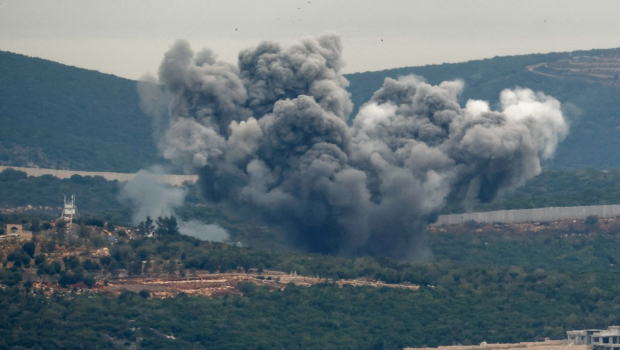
<point>174,180</point>
<point>532,215</point>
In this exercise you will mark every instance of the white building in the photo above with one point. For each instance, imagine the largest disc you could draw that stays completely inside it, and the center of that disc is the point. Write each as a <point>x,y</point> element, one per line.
<point>599,339</point>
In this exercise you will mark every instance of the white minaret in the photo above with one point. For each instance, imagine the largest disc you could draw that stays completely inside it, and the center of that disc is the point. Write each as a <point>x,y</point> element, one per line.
<point>69,211</point>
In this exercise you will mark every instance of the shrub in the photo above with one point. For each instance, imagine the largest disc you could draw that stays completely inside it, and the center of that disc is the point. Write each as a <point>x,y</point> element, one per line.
<point>591,220</point>
<point>29,248</point>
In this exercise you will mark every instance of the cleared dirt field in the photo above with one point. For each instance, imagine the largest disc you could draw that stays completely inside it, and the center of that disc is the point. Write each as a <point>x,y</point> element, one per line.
<point>205,284</point>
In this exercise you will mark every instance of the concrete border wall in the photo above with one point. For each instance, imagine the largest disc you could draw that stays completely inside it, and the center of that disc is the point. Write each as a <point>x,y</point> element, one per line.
<point>174,180</point>
<point>532,215</point>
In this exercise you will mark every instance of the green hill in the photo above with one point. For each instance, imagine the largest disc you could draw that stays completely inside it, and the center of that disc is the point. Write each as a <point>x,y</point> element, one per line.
<point>52,115</point>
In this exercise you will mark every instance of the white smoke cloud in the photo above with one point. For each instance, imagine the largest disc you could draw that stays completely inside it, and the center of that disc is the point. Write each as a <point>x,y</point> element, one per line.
<point>149,196</point>
<point>270,136</point>
<point>205,232</point>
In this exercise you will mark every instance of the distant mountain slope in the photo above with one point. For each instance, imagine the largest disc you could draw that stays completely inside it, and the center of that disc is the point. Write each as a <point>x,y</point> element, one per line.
<point>52,115</point>
<point>588,90</point>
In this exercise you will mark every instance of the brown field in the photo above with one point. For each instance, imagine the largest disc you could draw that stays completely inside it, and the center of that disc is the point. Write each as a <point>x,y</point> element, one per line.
<point>210,285</point>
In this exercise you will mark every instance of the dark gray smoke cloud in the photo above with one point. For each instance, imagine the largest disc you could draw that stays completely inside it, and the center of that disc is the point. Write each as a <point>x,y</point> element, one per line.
<point>270,136</point>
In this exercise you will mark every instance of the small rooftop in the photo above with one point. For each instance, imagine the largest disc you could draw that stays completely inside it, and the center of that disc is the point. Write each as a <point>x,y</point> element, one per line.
<point>544,345</point>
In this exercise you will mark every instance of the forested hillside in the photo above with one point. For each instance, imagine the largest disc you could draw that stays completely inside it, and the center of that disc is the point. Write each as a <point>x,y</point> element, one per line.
<point>501,287</point>
<point>562,188</point>
<point>482,283</point>
<point>56,116</point>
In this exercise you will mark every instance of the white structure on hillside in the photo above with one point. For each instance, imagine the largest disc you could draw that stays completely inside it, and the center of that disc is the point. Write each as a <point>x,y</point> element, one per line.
<point>532,215</point>
<point>69,211</point>
<point>11,231</point>
<point>598,339</point>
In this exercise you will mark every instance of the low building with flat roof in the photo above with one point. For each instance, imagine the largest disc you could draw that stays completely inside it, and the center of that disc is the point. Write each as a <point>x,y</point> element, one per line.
<point>546,345</point>
<point>596,339</point>
<point>15,232</point>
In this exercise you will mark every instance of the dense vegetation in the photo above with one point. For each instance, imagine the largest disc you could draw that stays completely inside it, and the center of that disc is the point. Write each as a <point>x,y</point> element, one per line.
<point>94,195</point>
<point>563,189</point>
<point>565,250</point>
<point>53,115</point>
<point>483,284</point>
<point>493,298</point>
<point>578,248</point>
<point>494,305</point>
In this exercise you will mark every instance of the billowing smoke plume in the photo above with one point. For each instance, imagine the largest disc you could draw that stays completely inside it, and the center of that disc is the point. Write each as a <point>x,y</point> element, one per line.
<point>270,136</point>
<point>149,196</point>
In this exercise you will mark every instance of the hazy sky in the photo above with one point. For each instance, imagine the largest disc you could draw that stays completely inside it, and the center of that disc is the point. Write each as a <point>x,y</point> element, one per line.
<point>128,38</point>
